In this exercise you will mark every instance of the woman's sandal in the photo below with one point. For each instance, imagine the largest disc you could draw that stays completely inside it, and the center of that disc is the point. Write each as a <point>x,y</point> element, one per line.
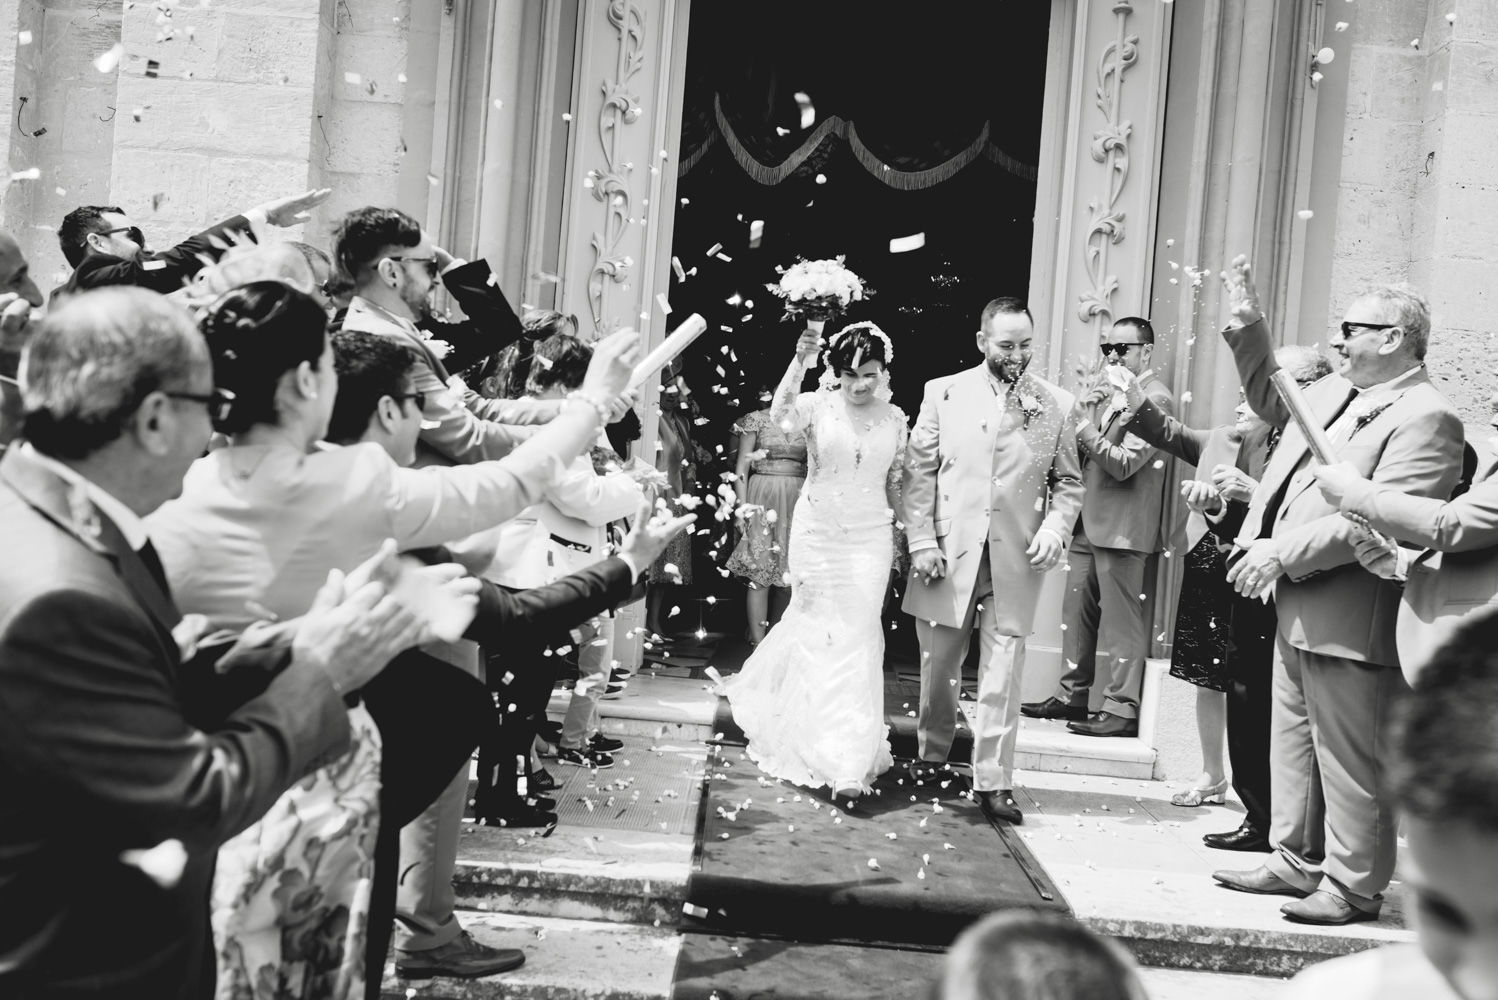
<point>1214,795</point>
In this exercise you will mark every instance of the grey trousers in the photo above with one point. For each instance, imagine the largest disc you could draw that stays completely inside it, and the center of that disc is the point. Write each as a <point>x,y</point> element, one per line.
<point>1103,616</point>
<point>1000,669</point>
<point>1331,821</point>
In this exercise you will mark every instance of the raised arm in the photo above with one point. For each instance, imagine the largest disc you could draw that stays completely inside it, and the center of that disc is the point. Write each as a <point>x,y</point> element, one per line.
<point>791,409</point>
<point>1164,431</point>
<point>1124,459</point>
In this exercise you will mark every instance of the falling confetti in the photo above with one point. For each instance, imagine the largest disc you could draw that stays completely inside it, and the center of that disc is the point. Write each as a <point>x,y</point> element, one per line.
<point>1305,213</point>
<point>109,61</point>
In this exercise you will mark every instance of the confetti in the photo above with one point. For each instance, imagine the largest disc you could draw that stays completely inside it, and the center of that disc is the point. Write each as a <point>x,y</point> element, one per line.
<point>904,244</point>
<point>29,174</point>
<point>1340,26</point>
<point>23,38</point>
<point>109,61</point>
<point>661,301</point>
<point>874,865</point>
<point>353,78</point>
<point>1305,213</point>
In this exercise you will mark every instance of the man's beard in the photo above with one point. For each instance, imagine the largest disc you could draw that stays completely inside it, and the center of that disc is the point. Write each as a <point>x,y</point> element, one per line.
<point>421,308</point>
<point>1008,371</point>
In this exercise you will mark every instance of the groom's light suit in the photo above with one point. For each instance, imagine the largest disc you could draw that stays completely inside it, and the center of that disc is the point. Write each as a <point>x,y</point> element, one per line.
<point>988,465</point>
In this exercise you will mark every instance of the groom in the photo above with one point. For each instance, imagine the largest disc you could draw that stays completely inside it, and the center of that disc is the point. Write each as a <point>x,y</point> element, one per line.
<point>993,486</point>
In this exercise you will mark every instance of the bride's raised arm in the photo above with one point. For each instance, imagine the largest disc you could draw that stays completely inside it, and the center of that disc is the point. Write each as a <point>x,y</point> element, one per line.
<point>791,408</point>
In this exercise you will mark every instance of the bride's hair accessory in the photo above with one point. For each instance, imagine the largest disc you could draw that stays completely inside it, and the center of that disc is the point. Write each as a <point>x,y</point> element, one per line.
<point>852,346</point>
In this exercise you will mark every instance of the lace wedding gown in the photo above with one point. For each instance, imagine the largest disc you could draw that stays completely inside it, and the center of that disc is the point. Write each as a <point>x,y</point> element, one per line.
<point>811,698</point>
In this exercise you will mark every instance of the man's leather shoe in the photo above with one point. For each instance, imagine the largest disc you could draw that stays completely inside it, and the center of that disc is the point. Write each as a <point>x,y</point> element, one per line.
<point>1260,881</point>
<point>461,958</point>
<point>1245,838</point>
<point>1053,708</point>
<point>1001,805</point>
<point>1322,907</point>
<point>1105,724</point>
<point>541,780</point>
<point>923,770</point>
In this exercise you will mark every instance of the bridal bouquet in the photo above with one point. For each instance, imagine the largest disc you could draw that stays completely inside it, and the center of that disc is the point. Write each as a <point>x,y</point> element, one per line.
<point>818,290</point>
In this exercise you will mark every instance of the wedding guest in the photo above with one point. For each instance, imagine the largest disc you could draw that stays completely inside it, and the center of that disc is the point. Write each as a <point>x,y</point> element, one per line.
<point>241,265</point>
<point>395,269</point>
<point>1103,609</point>
<point>678,457</point>
<point>1335,663</point>
<point>18,295</point>
<point>1219,648</point>
<point>104,247</point>
<point>769,471</point>
<point>423,735</point>
<point>1445,784</point>
<point>122,769</point>
<point>1024,954</point>
<point>257,523</point>
<point>1449,564</point>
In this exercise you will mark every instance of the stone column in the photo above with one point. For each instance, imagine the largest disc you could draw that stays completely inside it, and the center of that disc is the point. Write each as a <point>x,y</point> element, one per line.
<point>621,182</point>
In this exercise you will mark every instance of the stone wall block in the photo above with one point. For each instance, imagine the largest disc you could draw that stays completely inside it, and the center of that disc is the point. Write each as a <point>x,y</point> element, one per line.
<point>1386,83</point>
<point>86,124</point>
<point>1375,223</point>
<point>1473,84</point>
<point>1463,294</point>
<point>263,48</point>
<point>375,17</point>
<point>1385,22</point>
<point>1379,151</point>
<point>160,188</point>
<point>300,10</point>
<point>192,51</point>
<point>212,117</point>
<point>1461,363</point>
<point>1469,154</point>
<point>377,61</point>
<point>351,191</point>
<point>363,138</point>
<point>1465,222</point>
<point>1476,21</point>
<point>237,183</point>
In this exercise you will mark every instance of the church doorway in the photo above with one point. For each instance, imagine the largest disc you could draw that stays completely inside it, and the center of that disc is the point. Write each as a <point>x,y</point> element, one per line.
<point>906,142</point>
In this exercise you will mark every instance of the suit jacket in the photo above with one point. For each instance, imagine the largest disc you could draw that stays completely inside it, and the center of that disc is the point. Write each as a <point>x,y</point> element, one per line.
<point>98,755</point>
<point>1202,450</point>
<point>1125,480</point>
<point>1455,574</point>
<point>976,474</point>
<point>467,427</point>
<point>1408,438</point>
<point>163,272</point>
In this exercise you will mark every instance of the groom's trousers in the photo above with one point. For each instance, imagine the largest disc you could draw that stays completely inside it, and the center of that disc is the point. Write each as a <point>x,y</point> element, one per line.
<point>1000,666</point>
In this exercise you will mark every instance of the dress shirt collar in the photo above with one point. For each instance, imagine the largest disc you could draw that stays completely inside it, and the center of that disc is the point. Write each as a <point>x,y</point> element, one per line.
<point>131,526</point>
<point>1393,384</point>
<point>362,312</point>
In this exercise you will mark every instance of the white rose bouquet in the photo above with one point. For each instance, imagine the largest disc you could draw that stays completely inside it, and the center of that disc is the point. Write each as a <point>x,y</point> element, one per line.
<point>818,290</point>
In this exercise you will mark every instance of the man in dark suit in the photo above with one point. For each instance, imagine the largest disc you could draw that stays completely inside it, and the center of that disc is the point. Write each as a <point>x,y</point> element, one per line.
<point>1103,609</point>
<point>1336,664</point>
<point>104,247</point>
<point>114,797</point>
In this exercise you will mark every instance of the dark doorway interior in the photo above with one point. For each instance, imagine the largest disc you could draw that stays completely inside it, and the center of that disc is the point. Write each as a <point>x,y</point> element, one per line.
<point>948,96</point>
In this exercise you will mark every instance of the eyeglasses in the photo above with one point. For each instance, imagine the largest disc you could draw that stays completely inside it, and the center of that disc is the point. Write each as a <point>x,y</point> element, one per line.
<point>420,399</point>
<point>132,233</point>
<point>1117,349</point>
<point>1350,330</point>
<point>429,262</point>
<point>218,402</point>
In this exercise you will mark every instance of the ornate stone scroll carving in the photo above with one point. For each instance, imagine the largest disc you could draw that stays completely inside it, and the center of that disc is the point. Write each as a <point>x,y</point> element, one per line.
<point>610,185</point>
<point>1110,147</point>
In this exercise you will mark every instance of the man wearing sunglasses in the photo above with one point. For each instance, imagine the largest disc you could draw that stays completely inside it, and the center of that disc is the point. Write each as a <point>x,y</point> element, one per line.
<point>1119,527</point>
<point>104,247</point>
<point>1336,660</point>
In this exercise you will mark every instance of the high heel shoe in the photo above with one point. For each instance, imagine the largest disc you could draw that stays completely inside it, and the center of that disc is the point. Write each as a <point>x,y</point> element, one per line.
<point>1213,795</point>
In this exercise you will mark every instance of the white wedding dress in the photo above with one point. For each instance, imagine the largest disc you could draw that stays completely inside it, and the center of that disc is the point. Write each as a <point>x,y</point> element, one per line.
<point>811,697</point>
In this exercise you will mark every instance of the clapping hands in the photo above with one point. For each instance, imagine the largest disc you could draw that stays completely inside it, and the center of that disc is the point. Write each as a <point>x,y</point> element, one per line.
<point>1201,497</point>
<point>1233,483</point>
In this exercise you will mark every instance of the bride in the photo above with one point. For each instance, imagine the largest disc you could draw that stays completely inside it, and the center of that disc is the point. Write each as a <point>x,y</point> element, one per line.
<point>811,698</point>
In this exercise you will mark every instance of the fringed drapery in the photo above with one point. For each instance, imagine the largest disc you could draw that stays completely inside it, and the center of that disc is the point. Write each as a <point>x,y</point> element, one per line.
<point>837,127</point>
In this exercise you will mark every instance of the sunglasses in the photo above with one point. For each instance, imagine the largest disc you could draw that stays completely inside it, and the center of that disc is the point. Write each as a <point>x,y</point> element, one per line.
<point>132,233</point>
<point>419,397</point>
<point>1350,330</point>
<point>1117,349</point>
<point>430,263</point>
<point>218,402</point>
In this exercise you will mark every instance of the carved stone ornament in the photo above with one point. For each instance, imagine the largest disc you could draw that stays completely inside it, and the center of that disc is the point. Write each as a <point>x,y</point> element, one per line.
<point>611,184</point>
<point>1110,147</point>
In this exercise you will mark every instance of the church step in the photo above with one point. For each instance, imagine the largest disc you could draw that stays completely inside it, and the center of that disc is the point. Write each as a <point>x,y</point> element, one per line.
<point>597,960</point>
<point>662,707</point>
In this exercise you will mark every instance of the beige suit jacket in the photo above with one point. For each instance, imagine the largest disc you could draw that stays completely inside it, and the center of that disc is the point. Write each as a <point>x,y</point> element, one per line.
<point>1124,475</point>
<point>1410,441</point>
<point>975,474</point>
<point>1456,574</point>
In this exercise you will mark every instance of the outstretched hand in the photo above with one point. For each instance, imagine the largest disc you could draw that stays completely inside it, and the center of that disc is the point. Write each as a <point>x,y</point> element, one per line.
<point>1243,298</point>
<point>649,535</point>
<point>295,209</point>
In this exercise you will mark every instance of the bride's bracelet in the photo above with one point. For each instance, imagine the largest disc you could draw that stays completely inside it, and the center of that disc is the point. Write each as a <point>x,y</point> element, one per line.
<point>592,399</point>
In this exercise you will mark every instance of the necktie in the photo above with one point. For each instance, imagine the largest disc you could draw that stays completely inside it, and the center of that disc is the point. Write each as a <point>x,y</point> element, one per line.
<point>152,561</point>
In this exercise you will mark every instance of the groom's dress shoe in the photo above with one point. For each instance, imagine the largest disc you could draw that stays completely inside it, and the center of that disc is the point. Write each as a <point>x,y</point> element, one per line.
<point>1001,805</point>
<point>921,771</point>
<point>1261,881</point>
<point>1053,708</point>
<point>1105,724</point>
<point>1322,907</point>
<point>1245,838</point>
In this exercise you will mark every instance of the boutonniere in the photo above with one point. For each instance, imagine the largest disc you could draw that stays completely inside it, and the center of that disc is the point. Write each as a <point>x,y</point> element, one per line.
<point>1364,419</point>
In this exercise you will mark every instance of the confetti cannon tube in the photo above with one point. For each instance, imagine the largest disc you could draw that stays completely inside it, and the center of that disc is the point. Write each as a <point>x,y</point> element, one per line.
<point>1300,410</point>
<point>667,350</point>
